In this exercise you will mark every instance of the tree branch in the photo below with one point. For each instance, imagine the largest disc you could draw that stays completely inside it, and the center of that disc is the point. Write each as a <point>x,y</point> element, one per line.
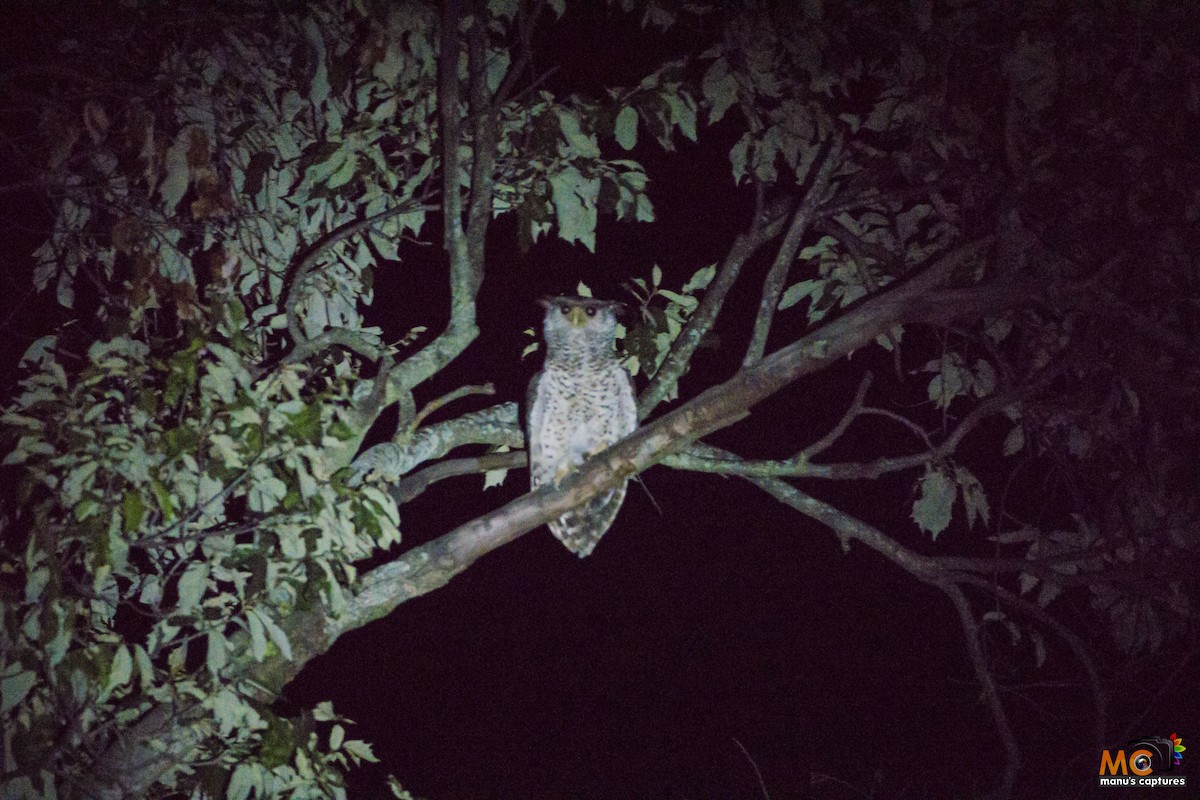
<point>526,22</point>
<point>926,570</point>
<point>777,275</point>
<point>970,628</point>
<point>701,322</point>
<point>435,563</point>
<point>1074,642</point>
<point>485,135</point>
<point>464,247</point>
<point>800,466</point>
<point>496,425</point>
<point>355,341</point>
<point>835,433</point>
<point>459,393</point>
<point>413,486</point>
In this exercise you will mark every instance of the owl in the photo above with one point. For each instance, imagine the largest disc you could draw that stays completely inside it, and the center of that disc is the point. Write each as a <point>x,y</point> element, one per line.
<point>579,404</point>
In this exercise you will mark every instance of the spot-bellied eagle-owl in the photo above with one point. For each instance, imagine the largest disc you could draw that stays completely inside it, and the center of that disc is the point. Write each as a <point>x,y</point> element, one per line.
<point>579,404</point>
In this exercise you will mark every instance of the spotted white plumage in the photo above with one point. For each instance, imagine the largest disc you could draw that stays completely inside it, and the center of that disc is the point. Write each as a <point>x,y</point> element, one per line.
<point>579,404</point>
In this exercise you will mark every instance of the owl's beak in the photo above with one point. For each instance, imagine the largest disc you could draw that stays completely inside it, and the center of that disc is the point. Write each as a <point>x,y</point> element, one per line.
<point>577,317</point>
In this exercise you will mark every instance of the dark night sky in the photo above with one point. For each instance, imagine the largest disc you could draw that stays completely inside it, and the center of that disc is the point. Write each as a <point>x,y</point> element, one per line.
<point>719,620</point>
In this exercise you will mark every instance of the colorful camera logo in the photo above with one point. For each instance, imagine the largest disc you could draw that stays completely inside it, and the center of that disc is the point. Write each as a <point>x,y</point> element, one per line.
<point>1144,756</point>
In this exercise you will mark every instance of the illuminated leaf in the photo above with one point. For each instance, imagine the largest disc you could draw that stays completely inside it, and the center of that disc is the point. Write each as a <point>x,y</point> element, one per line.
<point>932,510</point>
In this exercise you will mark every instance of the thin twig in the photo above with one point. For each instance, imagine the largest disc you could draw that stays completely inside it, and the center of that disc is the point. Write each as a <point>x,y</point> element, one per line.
<point>925,569</point>
<point>835,433</point>
<point>414,485</point>
<point>1074,642</point>
<point>449,397</point>
<point>758,774</point>
<point>970,628</point>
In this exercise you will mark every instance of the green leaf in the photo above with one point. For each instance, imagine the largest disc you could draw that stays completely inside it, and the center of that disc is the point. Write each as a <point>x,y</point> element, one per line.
<point>344,174</point>
<point>737,157</point>
<point>266,490</point>
<point>145,668</point>
<point>700,279</point>
<point>683,111</point>
<point>306,424</point>
<point>278,637</point>
<point>192,585</point>
<point>166,505</point>
<point>79,480</point>
<point>1014,442</point>
<point>122,668</point>
<point>13,689</point>
<point>133,509</point>
<point>318,90</point>
<point>626,128</point>
<point>974,497</point>
<point>258,635</point>
<point>359,750</point>
<point>686,302</point>
<point>505,9</point>
<point>798,291</point>
<point>278,742</point>
<point>720,89</point>
<point>579,143</point>
<point>218,652</point>
<point>323,712</point>
<point>932,510</point>
<point>574,198</point>
<point>497,67</point>
<point>245,779</point>
<point>175,181</point>
<point>983,381</point>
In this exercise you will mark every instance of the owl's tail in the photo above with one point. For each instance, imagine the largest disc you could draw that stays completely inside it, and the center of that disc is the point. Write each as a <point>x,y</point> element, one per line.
<point>580,529</point>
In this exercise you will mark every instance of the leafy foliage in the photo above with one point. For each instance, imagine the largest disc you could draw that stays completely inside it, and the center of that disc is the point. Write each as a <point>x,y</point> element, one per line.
<point>174,510</point>
<point>178,500</point>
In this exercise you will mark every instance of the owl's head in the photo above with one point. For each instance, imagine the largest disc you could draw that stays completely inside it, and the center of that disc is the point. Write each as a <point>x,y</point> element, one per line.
<point>575,322</point>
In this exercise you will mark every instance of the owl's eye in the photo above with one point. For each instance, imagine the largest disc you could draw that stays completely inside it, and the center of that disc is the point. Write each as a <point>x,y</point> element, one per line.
<point>564,308</point>
<point>591,312</point>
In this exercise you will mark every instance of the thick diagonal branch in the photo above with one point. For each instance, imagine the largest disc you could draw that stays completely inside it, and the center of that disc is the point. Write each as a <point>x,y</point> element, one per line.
<point>433,564</point>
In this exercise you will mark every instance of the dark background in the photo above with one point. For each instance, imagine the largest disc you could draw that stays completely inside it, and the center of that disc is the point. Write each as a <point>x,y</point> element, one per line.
<point>715,634</point>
